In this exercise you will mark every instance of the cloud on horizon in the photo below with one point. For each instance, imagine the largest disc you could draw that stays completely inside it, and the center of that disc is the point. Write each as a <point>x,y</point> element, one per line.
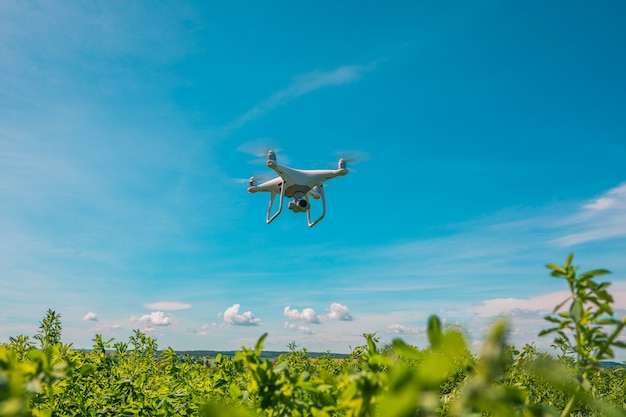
<point>300,329</point>
<point>335,312</point>
<point>401,329</point>
<point>156,318</point>
<point>544,303</point>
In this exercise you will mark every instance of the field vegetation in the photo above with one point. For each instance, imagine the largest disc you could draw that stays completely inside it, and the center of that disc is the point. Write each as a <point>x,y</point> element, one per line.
<point>42,376</point>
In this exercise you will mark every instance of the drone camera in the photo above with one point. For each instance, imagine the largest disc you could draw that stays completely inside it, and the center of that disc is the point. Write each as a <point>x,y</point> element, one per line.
<point>298,206</point>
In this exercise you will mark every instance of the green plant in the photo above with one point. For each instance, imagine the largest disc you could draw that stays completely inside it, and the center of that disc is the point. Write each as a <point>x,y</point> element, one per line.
<point>586,329</point>
<point>49,333</point>
<point>397,380</point>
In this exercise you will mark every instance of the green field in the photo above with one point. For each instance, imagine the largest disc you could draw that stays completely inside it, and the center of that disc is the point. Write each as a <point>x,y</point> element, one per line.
<point>41,376</point>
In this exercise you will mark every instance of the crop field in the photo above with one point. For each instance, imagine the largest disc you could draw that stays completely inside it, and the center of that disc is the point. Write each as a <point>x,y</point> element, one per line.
<point>42,376</point>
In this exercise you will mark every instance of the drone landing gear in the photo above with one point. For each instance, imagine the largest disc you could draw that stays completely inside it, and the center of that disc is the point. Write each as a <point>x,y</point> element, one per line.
<point>319,189</point>
<point>270,218</point>
<point>300,204</point>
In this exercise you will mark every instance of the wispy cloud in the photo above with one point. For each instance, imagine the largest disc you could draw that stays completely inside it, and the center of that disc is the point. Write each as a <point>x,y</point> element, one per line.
<point>168,305</point>
<point>401,329</point>
<point>507,249</point>
<point>305,330</point>
<point>300,329</point>
<point>107,327</point>
<point>600,219</point>
<point>303,84</point>
<point>203,331</point>
<point>543,303</point>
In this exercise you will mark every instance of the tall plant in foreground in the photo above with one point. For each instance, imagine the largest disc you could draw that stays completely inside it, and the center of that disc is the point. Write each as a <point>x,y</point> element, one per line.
<point>49,333</point>
<point>587,328</point>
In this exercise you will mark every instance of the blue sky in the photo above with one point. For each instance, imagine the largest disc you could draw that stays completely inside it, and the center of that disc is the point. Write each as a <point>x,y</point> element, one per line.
<point>491,139</point>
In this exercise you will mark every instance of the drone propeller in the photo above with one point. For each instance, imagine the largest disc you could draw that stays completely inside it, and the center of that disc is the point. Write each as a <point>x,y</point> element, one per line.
<point>352,156</point>
<point>258,148</point>
<point>253,179</point>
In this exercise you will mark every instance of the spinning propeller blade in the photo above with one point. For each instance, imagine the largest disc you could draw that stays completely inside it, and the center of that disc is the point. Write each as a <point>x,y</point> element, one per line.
<point>258,148</point>
<point>253,179</point>
<point>352,156</point>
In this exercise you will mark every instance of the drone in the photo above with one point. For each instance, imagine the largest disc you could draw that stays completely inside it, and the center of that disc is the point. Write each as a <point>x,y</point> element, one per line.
<point>298,184</point>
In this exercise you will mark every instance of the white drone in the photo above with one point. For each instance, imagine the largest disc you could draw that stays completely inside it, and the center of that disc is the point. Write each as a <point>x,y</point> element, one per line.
<point>298,184</point>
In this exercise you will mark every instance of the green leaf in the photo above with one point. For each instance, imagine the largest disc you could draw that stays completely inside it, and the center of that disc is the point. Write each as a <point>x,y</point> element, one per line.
<point>371,346</point>
<point>555,268</point>
<point>558,307</point>
<point>319,413</point>
<point>594,273</point>
<point>258,348</point>
<point>576,310</point>
<point>434,331</point>
<point>568,261</point>
<point>87,369</point>
<point>548,331</point>
<point>404,350</point>
<point>280,367</point>
<point>552,319</point>
<point>607,321</point>
<point>619,344</point>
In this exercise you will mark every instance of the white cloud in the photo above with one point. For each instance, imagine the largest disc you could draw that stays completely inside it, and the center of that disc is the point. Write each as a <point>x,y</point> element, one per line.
<point>401,329</point>
<point>232,316</point>
<point>339,312</point>
<point>167,305</point>
<point>307,314</point>
<point>90,317</point>
<point>156,318</point>
<point>335,312</point>
<point>541,303</point>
